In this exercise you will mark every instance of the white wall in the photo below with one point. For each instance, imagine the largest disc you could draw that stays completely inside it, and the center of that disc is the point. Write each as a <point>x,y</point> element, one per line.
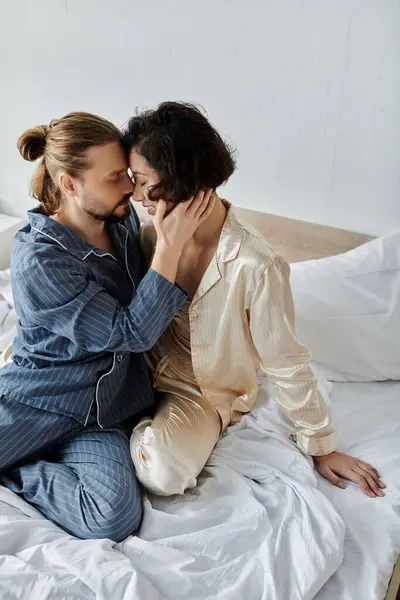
<point>307,90</point>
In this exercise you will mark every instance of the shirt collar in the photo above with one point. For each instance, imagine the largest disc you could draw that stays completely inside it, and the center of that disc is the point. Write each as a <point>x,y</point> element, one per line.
<point>231,237</point>
<point>71,241</point>
<point>228,248</point>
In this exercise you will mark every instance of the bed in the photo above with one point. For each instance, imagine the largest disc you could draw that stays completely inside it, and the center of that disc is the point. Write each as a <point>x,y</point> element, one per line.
<point>303,241</point>
<point>261,524</point>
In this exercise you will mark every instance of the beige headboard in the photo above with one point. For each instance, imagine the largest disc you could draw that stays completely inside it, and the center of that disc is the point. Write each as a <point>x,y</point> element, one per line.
<point>298,240</point>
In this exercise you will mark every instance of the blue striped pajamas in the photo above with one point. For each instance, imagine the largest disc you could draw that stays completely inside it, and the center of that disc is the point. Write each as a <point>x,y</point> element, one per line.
<point>78,373</point>
<point>82,478</point>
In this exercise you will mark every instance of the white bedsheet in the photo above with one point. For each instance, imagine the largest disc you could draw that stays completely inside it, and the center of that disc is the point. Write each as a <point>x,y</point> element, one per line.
<point>8,316</point>
<point>367,417</point>
<point>255,527</point>
<point>260,525</point>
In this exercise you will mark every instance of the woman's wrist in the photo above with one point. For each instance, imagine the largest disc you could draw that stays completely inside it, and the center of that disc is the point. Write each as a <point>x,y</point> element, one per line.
<point>168,251</point>
<point>165,261</point>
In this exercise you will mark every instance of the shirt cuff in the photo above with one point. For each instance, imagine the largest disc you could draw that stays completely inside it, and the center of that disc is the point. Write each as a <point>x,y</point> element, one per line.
<point>173,290</point>
<point>316,446</point>
<point>181,288</point>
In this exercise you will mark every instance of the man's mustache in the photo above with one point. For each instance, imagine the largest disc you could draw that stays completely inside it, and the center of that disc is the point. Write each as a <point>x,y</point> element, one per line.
<point>124,199</point>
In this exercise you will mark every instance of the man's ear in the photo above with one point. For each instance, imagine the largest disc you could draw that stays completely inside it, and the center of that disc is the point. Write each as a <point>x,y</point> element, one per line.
<point>67,184</point>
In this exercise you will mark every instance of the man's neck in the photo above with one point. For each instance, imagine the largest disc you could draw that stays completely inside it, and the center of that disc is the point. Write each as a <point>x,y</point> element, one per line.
<point>81,223</point>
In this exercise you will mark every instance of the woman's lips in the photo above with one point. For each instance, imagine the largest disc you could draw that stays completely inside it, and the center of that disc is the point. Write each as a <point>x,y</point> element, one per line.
<point>150,209</point>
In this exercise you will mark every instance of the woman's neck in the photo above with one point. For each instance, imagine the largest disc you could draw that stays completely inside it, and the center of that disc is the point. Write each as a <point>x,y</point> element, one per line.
<point>210,229</point>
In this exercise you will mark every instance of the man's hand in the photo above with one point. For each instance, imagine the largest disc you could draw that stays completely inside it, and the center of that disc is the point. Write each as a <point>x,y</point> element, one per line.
<point>175,229</point>
<point>336,465</point>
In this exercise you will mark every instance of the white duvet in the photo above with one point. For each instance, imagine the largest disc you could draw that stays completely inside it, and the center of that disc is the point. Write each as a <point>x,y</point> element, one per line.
<point>260,525</point>
<point>257,527</point>
<point>367,419</point>
<point>8,316</point>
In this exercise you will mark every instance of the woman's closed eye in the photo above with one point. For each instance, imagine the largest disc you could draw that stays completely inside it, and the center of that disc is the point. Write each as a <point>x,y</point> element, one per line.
<point>136,181</point>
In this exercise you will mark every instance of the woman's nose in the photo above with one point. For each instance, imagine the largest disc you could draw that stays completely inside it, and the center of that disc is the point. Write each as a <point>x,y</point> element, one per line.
<point>137,197</point>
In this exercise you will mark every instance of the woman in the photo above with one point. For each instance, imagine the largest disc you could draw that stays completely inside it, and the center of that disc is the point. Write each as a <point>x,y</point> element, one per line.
<point>238,320</point>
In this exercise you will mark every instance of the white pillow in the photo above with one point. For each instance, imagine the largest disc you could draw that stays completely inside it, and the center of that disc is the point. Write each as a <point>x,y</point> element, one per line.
<point>8,316</point>
<point>348,311</point>
<point>5,288</point>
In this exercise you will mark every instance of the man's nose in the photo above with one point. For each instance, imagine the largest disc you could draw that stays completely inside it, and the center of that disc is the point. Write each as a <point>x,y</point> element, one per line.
<point>128,186</point>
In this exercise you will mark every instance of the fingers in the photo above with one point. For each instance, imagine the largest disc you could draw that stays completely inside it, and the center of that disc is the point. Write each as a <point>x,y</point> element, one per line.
<point>361,481</point>
<point>333,478</point>
<point>208,208</point>
<point>372,471</point>
<point>190,206</point>
<point>194,203</point>
<point>199,203</point>
<point>365,481</point>
<point>338,465</point>
<point>198,206</point>
<point>160,212</point>
<point>371,481</point>
<point>203,206</point>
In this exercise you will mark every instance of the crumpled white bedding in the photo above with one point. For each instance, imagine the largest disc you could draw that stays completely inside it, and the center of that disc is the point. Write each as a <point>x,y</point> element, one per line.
<point>8,316</point>
<point>260,525</point>
<point>256,527</point>
<point>367,419</point>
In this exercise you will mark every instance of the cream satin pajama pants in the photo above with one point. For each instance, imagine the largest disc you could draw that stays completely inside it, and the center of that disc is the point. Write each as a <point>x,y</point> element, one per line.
<point>170,450</point>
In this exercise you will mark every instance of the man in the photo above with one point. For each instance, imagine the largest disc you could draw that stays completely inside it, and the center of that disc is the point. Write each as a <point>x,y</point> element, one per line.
<point>86,311</point>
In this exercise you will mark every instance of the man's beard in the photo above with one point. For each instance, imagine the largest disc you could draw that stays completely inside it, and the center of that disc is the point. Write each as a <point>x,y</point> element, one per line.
<point>111,217</point>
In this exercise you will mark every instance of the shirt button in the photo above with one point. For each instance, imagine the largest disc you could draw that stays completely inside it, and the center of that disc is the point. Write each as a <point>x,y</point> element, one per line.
<point>193,313</point>
<point>119,357</point>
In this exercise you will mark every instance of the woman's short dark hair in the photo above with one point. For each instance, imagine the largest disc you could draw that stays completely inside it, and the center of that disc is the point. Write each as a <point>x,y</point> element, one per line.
<point>179,142</point>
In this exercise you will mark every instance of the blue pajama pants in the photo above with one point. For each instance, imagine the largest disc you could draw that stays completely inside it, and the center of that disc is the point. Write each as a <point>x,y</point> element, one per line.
<point>82,478</point>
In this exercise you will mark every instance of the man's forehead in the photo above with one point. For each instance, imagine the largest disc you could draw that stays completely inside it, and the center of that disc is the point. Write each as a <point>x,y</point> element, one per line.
<point>110,157</point>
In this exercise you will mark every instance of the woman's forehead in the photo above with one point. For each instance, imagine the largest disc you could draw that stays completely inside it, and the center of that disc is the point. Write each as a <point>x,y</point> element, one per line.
<point>138,163</point>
